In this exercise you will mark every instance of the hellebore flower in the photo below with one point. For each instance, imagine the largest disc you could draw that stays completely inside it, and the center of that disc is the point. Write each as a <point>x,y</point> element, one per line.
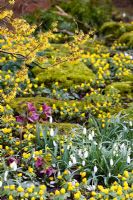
<point>13,163</point>
<point>20,119</point>
<point>46,110</point>
<point>11,160</point>
<point>31,107</point>
<point>33,116</point>
<point>50,171</point>
<point>39,162</point>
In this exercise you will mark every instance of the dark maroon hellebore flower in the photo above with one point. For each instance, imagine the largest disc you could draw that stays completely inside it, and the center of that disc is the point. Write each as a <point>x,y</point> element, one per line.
<point>46,110</point>
<point>39,162</point>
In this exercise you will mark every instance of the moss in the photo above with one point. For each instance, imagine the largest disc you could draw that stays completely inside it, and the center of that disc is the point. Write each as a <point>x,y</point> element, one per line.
<point>113,29</point>
<point>66,74</point>
<point>128,78</point>
<point>127,38</point>
<point>63,128</point>
<point>121,87</point>
<point>20,103</point>
<point>129,111</point>
<point>109,27</point>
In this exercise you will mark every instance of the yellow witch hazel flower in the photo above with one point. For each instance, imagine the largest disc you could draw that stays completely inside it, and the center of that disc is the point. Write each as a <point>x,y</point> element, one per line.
<point>11,1</point>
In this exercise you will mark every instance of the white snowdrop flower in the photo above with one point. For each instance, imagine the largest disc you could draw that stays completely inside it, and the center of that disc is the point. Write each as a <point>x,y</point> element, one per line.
<point>83,163</point>
<point>130,123</point>
<point>13,165</point>
<point>85,154</point>
<point>128,159</point>
<point>109,174</point>
<point>54,165</point>
<point>94,142</point>
<point>89,188</point>
<point>90,137</point>
<point>124,14</point>
<point>33,156</point>
<point>5,175</point>
<point>111,162</point>
<point>123,147</point>
<point>70,164</point>
<point>71,156</point>
<point>51,132</point>
<point>93,133</point>
<point>59,173</point>
<point>93,187</point>
<point>1,183</point>
<point>51,119</point>
<point>68,147</point>
<point>80,153</point>
<point>54,143</point>
<point>115,147</point>
<point>84,131</point>
<point>74,160</point>
<point>114,152</point>
<point>95,169</point>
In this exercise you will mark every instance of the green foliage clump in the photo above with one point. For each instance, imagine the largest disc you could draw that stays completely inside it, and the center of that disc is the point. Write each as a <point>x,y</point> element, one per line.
<point>66,74</point>
<point>127,38</point>
<point>122,87</point>
<point>113,30</point>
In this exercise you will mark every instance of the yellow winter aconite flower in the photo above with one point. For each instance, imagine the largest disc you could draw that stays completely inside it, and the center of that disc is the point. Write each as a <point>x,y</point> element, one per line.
<point>20,189</point>
<point>77,195</point>
<point>62,191</point>
<point>57,192</point>
<point>6,130</point>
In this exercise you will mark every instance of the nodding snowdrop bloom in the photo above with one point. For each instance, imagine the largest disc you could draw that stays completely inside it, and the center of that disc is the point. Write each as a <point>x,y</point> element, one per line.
<point>95,169</point>
<point>1,183</point>
<point>83,163</point>
<point>59,173</point>
<point>123,147</point>
<point>54,165</point>
<point>130,123</point>
<point>90,137</point>
<point>80,153</point>
<point>52,132</point>
<point>128,159</point>
<point>74,160</point>
<point>70,164</point>
<point>114,152</point>
<point>50,119</point>
<point>124,14</point>
<point>68,147</point>
<point>93,133</point>
<point>116,147</point>
<point>111,162</point>
<point>5,175</point>
<point>55,144</point>
<point>85,155</point>
<point>91,187</point>
<point>109,174</point>
<point>84,131</point>
<point>13,165</point>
